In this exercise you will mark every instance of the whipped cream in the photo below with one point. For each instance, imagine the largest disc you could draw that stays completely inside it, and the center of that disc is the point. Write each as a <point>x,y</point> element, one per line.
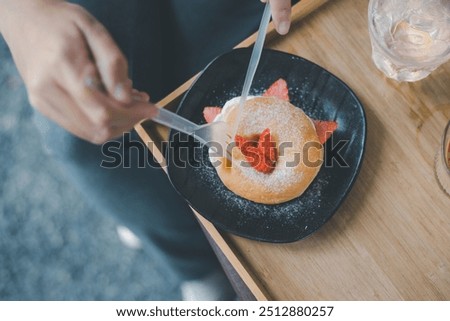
<point>229,105</point>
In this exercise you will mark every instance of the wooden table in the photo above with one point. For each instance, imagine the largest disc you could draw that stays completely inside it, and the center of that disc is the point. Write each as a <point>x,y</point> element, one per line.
<point>390,239</point>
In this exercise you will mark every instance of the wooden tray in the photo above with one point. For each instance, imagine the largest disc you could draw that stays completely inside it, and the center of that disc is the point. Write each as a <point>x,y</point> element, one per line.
<point>390,238</point>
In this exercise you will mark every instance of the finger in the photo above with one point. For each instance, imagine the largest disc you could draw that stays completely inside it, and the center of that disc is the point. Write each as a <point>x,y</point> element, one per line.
<point>85,88</point>
<point>80,77</point>
<point>110,61</point>
<point>281,14</point>
<point>140,111</point>
<point>93,108</point>
<point>140,95</point>
<point>106,111</point>
<point>91,115</point>
<point>62,109</point>
<point>129,115</point>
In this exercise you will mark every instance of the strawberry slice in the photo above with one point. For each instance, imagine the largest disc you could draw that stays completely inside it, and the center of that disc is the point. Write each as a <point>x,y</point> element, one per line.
<point>210,113</point>
<point>278,89</point>
<point>264,165</point>
<point>258,161</point>
<point>324,129</point>
<point>260,155</point>
<point>240,141</point>
<point>253,155</point>
<point>267,146</point>
<point>244,145</point>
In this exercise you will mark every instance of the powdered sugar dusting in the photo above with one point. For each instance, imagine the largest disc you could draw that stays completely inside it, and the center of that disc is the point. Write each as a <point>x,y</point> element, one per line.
<point>287,214</point>
<point>276,181</point>
<point>272,116</point>
<point>303,208</point>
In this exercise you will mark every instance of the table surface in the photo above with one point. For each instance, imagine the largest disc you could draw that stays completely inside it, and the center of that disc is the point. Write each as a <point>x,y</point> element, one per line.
<point>390,239</point>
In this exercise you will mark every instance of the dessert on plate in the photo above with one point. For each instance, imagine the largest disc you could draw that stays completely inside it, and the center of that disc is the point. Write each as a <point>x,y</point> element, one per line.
<point>277,150</point>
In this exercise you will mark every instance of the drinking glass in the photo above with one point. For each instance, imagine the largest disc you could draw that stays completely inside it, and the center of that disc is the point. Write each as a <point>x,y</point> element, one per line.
<point>442,161</point>
<point>410,38</point>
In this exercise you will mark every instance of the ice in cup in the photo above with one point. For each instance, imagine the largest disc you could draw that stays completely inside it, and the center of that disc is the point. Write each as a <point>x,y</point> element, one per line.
<point>410,38</point>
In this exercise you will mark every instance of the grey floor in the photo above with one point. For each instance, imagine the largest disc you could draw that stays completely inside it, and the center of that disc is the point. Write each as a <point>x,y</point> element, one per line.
<point>52,245</point>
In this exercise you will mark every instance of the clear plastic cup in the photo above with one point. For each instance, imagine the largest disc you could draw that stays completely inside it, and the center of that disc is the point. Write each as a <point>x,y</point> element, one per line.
<point>410,38</point>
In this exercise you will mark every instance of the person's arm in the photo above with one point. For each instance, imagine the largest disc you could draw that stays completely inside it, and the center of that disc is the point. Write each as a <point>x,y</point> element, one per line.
<point>73,71</point>
<point>281,15</point>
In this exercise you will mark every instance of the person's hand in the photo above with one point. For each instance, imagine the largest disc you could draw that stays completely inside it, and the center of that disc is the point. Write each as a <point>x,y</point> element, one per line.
<point>73,71</point>
<point>281,15</point>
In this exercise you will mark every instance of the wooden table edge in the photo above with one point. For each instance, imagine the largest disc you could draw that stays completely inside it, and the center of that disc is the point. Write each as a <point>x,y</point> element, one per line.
<point>300,10</point>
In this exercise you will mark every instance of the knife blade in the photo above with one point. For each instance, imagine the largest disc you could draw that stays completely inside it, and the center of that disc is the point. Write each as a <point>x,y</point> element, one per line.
<point>253,64</point>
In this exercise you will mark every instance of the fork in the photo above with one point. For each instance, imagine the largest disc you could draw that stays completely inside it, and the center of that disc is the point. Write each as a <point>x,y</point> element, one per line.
<point>214,135</point>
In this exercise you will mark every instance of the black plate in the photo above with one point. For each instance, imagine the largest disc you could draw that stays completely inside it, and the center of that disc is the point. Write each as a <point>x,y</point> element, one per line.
<point>321,95</point>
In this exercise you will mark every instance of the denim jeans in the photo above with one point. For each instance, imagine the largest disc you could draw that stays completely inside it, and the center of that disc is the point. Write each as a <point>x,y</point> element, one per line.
<point>166,42</point>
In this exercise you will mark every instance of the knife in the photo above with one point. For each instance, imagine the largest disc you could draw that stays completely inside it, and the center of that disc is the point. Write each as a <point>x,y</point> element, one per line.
<point>253,64</point>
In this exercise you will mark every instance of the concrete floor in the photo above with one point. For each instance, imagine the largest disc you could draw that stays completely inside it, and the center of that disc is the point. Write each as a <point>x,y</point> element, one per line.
<point>52,245</point>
